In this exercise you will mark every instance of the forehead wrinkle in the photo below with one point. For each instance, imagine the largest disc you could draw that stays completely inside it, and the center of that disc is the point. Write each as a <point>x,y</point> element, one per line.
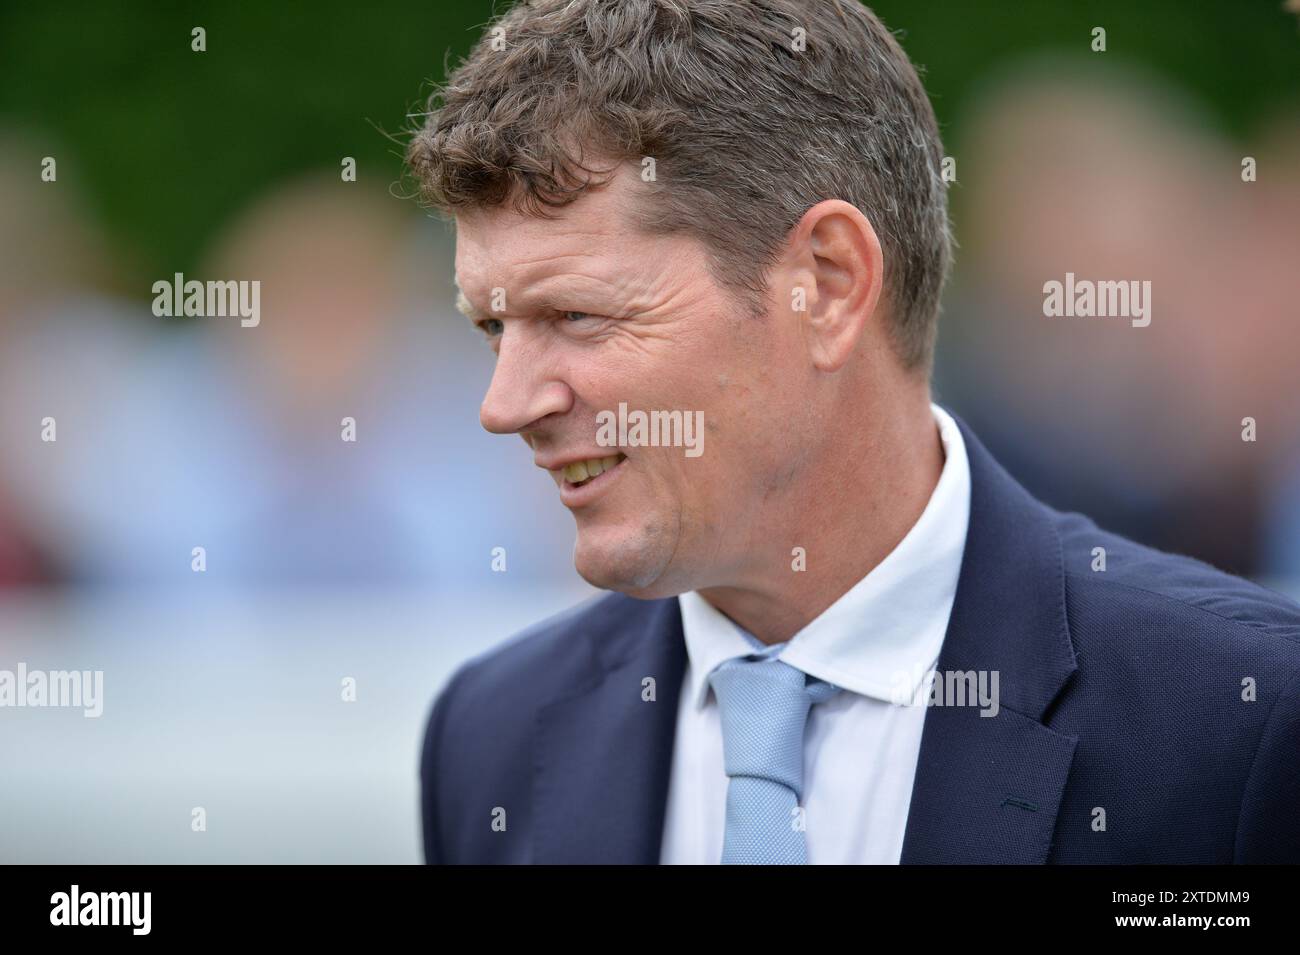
<point>536,282</point>
<point>531,278</point>
<point>551,265</point>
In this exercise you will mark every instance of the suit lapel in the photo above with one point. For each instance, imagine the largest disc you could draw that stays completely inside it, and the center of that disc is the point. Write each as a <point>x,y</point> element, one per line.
<point>604,754</point>
<point>987,789</point>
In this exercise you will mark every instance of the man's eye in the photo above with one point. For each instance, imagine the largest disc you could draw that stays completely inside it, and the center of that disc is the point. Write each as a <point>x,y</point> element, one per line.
<point>492,327</point>
<point>569,316</point>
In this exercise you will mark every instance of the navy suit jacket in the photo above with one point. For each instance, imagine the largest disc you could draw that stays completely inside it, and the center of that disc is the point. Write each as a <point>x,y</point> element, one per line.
<point>1121,692</point>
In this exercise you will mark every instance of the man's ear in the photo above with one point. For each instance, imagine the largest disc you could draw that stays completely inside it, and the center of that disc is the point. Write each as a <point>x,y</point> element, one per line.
<point>837,272</point>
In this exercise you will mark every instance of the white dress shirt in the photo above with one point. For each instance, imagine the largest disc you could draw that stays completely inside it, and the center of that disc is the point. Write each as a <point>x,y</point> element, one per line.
<point>877,641</point>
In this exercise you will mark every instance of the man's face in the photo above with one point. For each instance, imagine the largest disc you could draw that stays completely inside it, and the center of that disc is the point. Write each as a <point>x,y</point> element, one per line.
<point>589,313</point>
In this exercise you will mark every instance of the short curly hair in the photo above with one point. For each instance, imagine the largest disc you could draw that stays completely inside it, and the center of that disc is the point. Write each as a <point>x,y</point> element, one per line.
<point>753,111</point>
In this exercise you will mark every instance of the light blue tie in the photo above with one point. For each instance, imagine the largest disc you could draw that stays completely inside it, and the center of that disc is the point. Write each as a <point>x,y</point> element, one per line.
<point>764,703</point>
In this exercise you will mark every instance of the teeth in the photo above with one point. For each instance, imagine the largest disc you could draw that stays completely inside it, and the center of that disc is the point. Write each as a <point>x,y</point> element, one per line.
<point>581,471</point>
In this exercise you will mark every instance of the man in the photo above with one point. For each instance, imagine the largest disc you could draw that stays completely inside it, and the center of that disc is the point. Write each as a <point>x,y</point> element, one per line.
<point>841,632</point>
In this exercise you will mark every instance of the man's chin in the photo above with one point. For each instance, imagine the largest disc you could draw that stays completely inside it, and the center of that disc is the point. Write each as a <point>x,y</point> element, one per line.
<point>637,571</point>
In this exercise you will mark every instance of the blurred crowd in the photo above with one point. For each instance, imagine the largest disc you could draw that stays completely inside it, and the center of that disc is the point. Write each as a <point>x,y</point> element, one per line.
<point>1113,175</point>
<point>173,434</point>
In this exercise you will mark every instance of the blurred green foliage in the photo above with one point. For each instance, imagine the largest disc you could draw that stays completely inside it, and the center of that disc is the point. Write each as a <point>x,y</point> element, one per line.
<point>168,143</point>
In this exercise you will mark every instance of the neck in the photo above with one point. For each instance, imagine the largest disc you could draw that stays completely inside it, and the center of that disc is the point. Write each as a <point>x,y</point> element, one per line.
<point>886,474</point>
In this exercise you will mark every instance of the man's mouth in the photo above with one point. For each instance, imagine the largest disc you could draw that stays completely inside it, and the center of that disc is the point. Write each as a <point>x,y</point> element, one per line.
<point>580,472</point>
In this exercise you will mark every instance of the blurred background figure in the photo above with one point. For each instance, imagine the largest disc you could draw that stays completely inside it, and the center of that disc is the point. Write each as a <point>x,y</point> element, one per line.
<point>230,438</point>
<point>51,260</point>
<point>1273,275</point>
<point>1110,174</point>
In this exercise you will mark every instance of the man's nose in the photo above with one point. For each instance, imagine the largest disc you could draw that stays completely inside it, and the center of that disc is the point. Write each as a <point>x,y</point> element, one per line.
<point>522,390</point>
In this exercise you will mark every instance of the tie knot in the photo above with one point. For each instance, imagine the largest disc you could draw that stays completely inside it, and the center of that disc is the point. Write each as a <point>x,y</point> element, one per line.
<point>764,706</point>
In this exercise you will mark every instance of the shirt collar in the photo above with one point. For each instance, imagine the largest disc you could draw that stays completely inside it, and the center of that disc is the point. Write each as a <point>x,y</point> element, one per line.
<point>883,635</point>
